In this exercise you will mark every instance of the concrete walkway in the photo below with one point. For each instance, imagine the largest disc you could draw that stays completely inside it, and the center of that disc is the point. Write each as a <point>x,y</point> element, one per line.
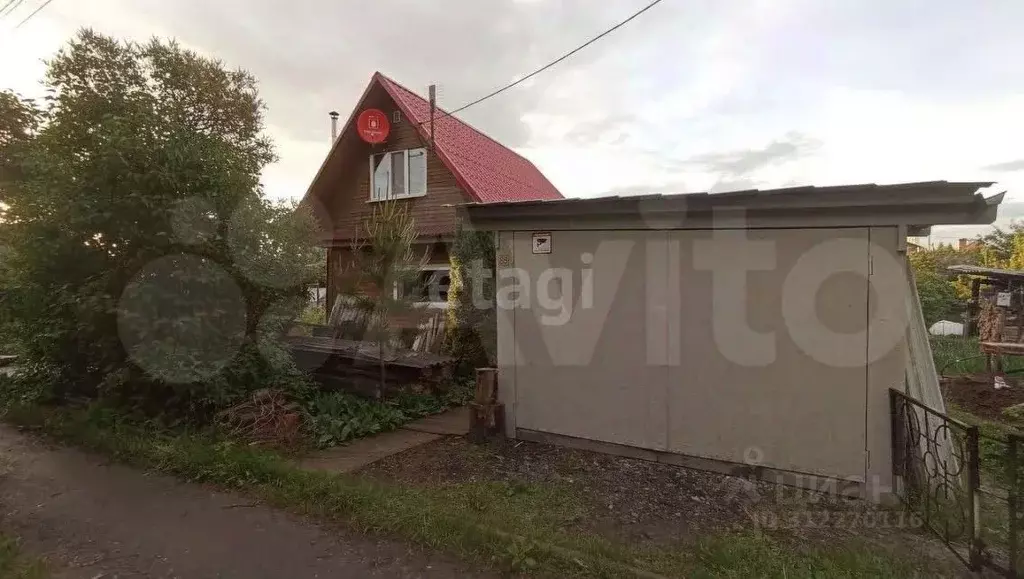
<point>359,453</point>
<point>455,422</point>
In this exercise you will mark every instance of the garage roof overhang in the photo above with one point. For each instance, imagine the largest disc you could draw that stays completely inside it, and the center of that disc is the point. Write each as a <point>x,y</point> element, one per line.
<point>912,205</point>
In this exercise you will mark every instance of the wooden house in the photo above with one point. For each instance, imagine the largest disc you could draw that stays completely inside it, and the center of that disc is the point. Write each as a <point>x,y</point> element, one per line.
<point>430,161</point>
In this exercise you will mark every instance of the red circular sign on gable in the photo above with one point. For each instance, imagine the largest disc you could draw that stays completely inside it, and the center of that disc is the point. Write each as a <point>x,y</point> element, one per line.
<point>373,126</point>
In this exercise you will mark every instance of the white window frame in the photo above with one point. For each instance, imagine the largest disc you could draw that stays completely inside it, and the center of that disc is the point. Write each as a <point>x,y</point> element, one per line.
<point>432,305</point>
<point>401,156</point>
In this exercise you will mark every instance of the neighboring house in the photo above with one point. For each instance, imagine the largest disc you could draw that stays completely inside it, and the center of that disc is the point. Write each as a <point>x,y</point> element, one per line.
<point>463,165</point>
<point>968,244</point>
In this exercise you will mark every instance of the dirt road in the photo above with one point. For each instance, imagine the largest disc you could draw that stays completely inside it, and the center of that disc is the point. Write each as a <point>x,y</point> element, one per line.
<point>94,520</point>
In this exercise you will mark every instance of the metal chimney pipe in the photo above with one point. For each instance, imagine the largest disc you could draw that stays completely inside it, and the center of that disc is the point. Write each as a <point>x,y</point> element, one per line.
<point>334,125</point>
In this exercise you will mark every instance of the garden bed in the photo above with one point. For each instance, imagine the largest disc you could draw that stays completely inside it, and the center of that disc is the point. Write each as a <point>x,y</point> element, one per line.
<point>975,394</point>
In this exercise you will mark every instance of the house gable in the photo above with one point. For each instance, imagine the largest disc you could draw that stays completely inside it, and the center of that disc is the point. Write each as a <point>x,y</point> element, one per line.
<point>342,188</point>
<point>463,165</point>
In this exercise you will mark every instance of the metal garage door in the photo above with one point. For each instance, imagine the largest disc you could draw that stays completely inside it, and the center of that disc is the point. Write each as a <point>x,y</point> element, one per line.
<point>626,337</point>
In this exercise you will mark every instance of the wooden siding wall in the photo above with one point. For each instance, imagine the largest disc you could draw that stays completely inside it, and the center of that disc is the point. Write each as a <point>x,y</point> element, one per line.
<point>345,185</point>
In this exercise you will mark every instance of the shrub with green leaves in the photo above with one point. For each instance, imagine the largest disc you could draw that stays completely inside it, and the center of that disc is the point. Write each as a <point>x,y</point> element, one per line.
<point>336,417</point>
<point>471,329</point>
<point>144,265</point>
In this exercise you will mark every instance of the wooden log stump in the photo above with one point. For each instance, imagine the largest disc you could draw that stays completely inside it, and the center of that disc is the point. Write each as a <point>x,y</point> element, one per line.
<point>487,415</point>
<point>486,422</point>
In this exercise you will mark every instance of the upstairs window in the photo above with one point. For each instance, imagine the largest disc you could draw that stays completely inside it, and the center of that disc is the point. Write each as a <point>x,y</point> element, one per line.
<point>398,174</point>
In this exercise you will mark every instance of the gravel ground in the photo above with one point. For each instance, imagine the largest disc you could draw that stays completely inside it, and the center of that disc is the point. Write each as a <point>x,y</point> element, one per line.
<point>653,503</point>
<point>93,520</point>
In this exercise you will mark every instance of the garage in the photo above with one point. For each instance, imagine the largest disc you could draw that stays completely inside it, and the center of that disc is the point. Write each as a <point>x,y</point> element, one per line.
<point>756,331</point>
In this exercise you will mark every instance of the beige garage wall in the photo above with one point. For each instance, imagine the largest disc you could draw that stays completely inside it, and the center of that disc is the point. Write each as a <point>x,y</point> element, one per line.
<point>755,395</point>
<point>590,377</point>
<point>644,365</point>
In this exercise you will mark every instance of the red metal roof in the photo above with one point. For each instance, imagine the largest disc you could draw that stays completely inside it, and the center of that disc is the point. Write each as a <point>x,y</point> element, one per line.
<point>489,171</point>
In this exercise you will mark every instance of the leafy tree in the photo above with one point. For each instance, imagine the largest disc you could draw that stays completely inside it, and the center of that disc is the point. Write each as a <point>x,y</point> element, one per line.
<point>999,245</point>
<point>938,297</point>
<point>146,266</point>
<point>942,295</point>
<point>19,121</point>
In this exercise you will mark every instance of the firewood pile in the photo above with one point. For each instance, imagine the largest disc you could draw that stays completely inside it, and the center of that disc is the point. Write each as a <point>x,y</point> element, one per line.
<point>991,322</point>
<point>267,418</point>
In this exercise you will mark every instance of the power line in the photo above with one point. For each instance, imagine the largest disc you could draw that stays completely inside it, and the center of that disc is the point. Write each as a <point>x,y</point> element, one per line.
<point>34,12</point>
<point>8,8</point>
<point>550,64</point>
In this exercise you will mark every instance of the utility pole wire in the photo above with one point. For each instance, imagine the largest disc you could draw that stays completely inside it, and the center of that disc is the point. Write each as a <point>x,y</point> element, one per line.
<point>34,12</point>
<point>553,62</point>
<point>7,9</point>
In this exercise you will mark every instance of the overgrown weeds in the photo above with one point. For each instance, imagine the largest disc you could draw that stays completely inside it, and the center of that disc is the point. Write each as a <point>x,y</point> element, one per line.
<point>284,419</point>
<point>16,565</point>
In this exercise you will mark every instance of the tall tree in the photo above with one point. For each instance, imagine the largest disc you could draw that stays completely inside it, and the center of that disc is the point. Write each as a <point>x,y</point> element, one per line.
<point>19,121</point>
<point>139,232</point>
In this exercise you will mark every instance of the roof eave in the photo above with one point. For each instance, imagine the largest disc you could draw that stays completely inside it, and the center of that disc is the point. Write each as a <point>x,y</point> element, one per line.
<point>914,205</point>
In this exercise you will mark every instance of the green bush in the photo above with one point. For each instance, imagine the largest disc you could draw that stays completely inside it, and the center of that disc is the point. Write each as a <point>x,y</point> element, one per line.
<point>336,417</point>
<point>938,297</point>
<point>471,331</point>
<point>313,314</point>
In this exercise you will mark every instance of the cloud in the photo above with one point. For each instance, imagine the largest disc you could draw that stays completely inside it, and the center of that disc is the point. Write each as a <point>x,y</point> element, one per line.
<point>612,129</point>
<point>1007,167</point>
<point>726,185</point>
<point>1010,211</point>
<point>670,188</point>
<point>743,163</point>
<point>696,95</point>
<point>315,55</point>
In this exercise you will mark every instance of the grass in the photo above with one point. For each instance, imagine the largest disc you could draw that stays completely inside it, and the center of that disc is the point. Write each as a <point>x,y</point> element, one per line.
<point>16,565</point>
<point>991,445</point>
<point>960,355</point>
<point>313,314</point>
<point>992,459</point>
<point>753,555</point>
<point>512,527</point>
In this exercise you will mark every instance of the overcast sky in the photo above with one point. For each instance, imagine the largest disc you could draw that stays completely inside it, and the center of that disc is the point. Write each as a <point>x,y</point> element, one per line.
<point>694,95</point>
